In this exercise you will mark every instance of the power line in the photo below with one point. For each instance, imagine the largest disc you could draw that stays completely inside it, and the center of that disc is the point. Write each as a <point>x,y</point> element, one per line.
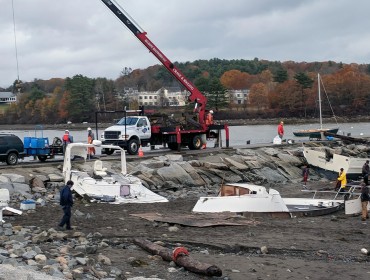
<point>15,42</point>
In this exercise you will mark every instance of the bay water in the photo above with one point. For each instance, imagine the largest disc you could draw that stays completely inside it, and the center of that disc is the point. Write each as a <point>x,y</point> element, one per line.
<point>239,135</point>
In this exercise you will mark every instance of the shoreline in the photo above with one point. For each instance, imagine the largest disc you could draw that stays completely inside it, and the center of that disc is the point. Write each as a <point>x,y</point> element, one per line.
<point>237,122</point>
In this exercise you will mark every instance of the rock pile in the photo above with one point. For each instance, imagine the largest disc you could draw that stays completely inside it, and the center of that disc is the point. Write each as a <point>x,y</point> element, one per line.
<point>54,254</point>
<point>174,177</point>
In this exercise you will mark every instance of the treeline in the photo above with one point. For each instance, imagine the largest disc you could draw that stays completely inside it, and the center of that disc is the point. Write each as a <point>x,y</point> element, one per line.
<point>276,89</point>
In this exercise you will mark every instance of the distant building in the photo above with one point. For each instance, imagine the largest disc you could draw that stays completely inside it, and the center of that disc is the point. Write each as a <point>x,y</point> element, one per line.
<point>7,97</point>
<point>163,97</point>
<point>239,96</point>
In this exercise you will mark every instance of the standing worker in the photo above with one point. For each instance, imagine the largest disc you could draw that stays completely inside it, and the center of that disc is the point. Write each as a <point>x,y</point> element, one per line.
<point>281,130</point>
<point>342,180</point>
<point>305,173</point>
<point>365,198</point>
<point>90,139</point>
<point>66,201</point>
<point>67,138</point>
<point>209,117</point>
<point>209,121</point>
<point>365,172</point>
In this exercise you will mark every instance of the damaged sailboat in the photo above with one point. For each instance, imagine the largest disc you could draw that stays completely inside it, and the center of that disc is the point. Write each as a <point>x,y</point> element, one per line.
<point>253,200</point>
<point>327,159</point>
<point>100,184</point>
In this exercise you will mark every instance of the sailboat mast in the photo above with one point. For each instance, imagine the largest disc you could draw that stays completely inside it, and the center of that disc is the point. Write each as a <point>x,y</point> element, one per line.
<point>318,82</point>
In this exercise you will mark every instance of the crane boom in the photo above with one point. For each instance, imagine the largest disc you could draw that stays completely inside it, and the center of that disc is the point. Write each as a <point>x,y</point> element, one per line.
<point>195,95</point>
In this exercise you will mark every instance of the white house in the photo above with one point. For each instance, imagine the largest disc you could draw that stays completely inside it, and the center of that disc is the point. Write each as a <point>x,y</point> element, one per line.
<point>7,97</point>
<point>162,97</point>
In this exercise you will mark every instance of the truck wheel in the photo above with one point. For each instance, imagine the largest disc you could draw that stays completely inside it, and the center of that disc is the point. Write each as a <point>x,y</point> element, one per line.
<point>196,143</point>
<point>42,158</point>
<point>172,146</point>
<point>109,151</point>
<point>12,159</point>
<point>133,147</point>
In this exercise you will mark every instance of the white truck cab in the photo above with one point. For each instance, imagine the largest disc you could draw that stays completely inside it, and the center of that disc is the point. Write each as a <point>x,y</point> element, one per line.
<point>129,133</point>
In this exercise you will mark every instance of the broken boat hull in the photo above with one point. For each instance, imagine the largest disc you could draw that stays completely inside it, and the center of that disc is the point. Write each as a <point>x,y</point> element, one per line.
<point>318,157</point>
<point>254,201</point>
<point>100,184</point>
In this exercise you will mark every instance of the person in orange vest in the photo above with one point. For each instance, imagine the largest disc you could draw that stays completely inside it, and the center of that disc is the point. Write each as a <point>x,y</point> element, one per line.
<point>209,117</point>
<point>90,139</point>
<point>67,138</point>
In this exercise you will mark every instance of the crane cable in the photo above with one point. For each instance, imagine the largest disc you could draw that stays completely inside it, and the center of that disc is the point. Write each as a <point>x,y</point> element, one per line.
<point>15,45</point>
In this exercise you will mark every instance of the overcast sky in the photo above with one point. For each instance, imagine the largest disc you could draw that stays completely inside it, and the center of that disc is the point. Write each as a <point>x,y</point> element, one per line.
<point>63,38</point>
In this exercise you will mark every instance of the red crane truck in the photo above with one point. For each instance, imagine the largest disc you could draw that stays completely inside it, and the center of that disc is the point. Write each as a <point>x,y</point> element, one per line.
<point>191,130</point>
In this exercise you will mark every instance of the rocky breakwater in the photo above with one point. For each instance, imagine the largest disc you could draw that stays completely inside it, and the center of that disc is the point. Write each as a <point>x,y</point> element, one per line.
<point>173,176</point>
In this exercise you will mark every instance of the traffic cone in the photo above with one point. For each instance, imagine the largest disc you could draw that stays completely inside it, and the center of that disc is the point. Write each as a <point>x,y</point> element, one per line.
<point>204,145</point>
<point>141,153</point>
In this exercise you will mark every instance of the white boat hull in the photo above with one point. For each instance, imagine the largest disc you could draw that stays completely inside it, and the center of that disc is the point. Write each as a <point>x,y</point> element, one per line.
<point>257,200</point>
<point>352,166</point>
<point>239,204</point>
<point>353,206</point>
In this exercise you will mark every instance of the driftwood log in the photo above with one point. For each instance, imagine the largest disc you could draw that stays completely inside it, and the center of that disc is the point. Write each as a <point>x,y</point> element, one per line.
<point>182,260</point>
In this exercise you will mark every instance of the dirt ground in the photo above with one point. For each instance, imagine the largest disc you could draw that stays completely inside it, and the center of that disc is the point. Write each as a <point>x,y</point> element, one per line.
<point>325,247</point>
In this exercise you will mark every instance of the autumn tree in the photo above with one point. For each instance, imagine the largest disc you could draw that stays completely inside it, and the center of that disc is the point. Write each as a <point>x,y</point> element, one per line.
<point>265,77</point>
<point>235,79</point>
<point>285,98</point>
<point>304,82</point>
<point>81,101</point>
<point>258,96</point>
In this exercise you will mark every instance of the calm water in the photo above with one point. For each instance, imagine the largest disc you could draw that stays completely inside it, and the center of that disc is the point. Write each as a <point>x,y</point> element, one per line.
<point>239,135</point>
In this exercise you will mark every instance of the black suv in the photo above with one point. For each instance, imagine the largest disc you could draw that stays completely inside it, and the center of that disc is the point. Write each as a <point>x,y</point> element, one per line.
<point>11,149</point>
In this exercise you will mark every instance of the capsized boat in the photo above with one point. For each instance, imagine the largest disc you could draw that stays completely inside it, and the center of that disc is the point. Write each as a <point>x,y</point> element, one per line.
<point>100,184</point>
<point>254,200</point>
<point>326,159</point>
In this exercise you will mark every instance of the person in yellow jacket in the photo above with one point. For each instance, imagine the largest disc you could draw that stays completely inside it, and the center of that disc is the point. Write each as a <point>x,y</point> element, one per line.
<point>342,179</point>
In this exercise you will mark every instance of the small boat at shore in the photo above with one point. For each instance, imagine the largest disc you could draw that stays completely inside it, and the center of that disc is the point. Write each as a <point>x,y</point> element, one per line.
<point>254,200</point>
<point>319,132</point>
<point>103,185</point>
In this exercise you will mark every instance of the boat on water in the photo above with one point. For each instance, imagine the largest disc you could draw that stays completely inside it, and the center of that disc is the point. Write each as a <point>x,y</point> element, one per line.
<point>326,159</point>
<point>319,132</point>
<point>254,200</point>
<point>103,185</point>
<point>314,133</point>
